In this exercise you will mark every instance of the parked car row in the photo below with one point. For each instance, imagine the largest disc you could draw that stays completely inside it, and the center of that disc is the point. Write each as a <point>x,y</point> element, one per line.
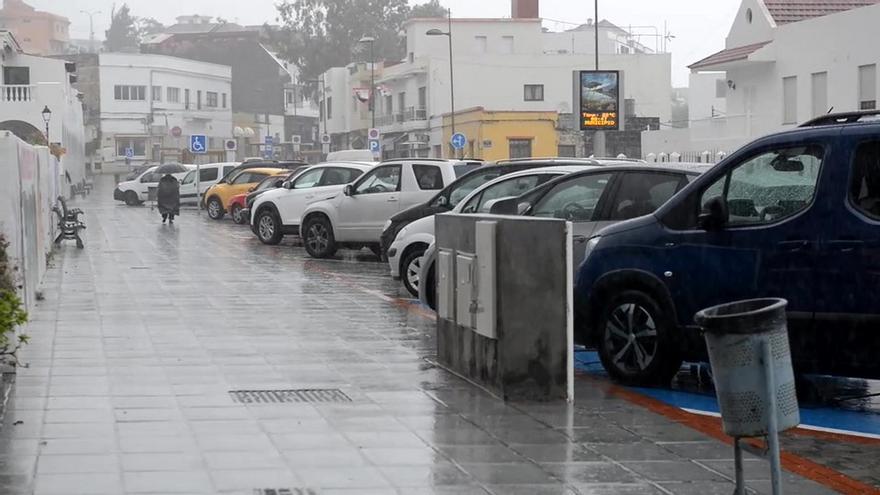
<point>793,215</point>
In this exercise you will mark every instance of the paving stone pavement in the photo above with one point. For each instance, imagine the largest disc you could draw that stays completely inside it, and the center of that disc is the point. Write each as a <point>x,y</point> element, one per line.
<point>142,336</point>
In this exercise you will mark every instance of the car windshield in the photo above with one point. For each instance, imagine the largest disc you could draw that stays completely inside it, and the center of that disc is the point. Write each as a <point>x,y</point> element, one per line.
<point>468,184</point>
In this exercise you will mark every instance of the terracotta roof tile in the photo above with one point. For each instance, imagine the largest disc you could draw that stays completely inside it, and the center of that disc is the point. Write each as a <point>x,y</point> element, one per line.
<point>787,11</point>
<point>727,55</point>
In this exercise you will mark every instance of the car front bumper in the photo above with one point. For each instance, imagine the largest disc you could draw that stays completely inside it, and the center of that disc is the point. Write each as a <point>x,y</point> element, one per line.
<point>394,253</point>
<point>118,195</point>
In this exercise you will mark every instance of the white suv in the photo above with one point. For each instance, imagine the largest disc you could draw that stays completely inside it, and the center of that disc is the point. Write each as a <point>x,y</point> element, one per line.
<point>277,213</point>
<point>355,218</point>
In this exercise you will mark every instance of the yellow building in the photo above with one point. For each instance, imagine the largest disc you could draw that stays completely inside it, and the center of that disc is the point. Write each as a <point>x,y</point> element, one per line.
<point>498,135</point>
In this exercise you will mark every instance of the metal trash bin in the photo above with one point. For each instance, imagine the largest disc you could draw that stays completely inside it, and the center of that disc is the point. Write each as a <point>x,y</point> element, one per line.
<point>752,369</point>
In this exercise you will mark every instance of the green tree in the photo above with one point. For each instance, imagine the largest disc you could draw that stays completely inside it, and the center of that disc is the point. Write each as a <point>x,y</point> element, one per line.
<point>123,32</point>
<point>428,10</point>
<point>146,26</point>
<point>316,35</point>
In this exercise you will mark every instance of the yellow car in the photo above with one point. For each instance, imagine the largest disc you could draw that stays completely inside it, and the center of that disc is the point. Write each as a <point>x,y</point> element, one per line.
<point>217,198</point>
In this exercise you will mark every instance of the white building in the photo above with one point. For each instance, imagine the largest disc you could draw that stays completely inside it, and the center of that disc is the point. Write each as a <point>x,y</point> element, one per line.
<point>151,104</point>
<point>31,84</point>
<point>784,62</point>
<point>500,65</point>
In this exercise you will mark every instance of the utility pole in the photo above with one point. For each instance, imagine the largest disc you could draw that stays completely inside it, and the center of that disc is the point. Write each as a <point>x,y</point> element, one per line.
<point>91,14</point>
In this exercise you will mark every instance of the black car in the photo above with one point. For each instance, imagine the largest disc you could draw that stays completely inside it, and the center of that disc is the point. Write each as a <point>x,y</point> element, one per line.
<point>446,199</point>
<point>268,184</point>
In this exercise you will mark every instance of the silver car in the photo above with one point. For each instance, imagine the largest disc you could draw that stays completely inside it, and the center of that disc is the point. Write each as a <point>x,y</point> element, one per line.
<point>591,200</point>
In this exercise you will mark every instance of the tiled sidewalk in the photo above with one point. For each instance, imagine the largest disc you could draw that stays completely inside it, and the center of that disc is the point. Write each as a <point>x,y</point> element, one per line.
<point>142,336</point>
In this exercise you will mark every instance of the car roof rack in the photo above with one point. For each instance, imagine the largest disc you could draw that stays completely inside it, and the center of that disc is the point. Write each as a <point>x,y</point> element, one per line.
<point>841,118</point>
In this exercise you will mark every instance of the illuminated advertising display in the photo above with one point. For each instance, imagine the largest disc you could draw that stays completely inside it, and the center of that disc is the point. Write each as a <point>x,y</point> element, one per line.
<point>599,98</point>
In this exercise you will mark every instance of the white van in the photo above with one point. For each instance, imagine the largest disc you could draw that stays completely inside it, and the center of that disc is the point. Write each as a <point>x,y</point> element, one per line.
<point>136,191</point>
<point>208,175</point>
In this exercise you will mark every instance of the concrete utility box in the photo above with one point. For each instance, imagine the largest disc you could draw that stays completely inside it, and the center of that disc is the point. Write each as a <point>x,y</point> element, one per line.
<point>504,319</point>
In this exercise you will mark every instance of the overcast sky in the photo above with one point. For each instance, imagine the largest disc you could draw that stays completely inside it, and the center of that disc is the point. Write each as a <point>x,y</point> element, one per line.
<point>699,26</point>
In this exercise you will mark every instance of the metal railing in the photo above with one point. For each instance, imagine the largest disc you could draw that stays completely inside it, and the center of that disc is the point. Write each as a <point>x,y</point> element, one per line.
<point>408,115</point>
<point>17,92</point>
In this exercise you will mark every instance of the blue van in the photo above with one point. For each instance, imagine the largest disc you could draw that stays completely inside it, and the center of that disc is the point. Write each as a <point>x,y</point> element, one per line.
<point>793,215</point>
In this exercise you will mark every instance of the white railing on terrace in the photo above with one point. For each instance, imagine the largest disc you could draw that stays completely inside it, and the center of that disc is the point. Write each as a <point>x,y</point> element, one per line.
<point>17,92</point>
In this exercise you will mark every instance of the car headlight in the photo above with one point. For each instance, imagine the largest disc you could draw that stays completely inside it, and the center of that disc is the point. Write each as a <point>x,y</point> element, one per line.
<point>387,224</point>
<point>591,245</point>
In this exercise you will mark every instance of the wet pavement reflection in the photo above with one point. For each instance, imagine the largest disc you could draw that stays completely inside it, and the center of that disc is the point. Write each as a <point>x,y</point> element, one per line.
<point>143,335</point>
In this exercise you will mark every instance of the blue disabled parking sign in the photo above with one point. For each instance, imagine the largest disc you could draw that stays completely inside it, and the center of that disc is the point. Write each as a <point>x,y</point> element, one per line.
<point>129,152</point>
<point>198,143</point>
<point>459,141</point>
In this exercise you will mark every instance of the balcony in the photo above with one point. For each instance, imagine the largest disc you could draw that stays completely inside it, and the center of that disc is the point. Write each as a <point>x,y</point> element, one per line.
<point>410,119</point>
<point>17,93</point>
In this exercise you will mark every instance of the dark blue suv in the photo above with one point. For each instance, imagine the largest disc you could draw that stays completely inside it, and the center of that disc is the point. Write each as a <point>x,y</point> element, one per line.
<point>793,215</point>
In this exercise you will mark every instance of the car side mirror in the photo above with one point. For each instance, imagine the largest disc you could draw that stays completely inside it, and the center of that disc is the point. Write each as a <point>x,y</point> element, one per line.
<point>287,184</point>
<point>252,189</point>
<point>348,190</point>
<point>715,214</point>
<point>506,206</point>
<point>523,208</point>
<point>442,202</point>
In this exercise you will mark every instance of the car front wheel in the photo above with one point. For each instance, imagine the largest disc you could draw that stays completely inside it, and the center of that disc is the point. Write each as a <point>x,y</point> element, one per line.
<point>215,209</point>
<point>237,217</point>
<point>268,227</point>
<point>410,270</point>
<point>318,238</point>
<point>636,343</point>
<point>131,198</point>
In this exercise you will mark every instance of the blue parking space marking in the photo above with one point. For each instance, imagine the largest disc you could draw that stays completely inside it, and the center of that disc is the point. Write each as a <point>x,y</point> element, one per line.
<point>822,418</point>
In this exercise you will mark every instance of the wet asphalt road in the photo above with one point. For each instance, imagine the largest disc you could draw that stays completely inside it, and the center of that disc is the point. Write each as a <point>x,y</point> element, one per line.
<point>143,335</point>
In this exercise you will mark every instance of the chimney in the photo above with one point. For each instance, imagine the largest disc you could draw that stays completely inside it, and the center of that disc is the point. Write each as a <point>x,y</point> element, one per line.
<point>524,9</point>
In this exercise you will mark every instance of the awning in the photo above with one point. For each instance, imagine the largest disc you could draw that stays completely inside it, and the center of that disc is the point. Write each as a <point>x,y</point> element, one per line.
<point>718,60</point>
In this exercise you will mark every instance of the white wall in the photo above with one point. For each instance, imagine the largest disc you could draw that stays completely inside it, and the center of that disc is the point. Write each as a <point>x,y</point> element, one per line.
<point>127,118</point>
<point>703,102</point>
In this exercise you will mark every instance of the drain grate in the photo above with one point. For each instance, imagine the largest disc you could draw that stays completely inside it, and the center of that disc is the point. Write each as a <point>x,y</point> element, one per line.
<point>285,491</point>
<point>299,395</point>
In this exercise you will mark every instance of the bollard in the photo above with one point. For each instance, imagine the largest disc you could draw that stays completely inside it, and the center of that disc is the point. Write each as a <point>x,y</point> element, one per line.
<point>754,380</point>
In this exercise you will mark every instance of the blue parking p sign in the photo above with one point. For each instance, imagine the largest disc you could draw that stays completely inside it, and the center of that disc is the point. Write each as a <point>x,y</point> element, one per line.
<point>198,144</point>
<point>459,141</point>
<point>375,146</point>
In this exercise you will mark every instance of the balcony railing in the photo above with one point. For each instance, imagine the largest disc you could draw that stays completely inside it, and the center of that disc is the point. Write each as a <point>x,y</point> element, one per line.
<point>17,92</point>
<point>408,115</point>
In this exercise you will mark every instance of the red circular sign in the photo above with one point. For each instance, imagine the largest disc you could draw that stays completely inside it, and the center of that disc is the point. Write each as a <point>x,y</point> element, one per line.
<point>176,131</point>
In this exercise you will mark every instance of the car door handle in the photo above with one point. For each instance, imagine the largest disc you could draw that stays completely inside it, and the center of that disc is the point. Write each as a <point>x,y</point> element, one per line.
<point>845,246</point>
<point>795,245</point>
<point>580,239</point>
<point>392,199</point>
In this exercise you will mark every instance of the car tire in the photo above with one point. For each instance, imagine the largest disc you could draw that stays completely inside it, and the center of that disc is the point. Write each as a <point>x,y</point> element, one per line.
<point>410,269</point>
<point>635,339</point>
<point>431,288</point>
<point>131,198</point>
<point>237,217</point>
<point>318,237</point>
<point>268,227</point>
<point>215,208</point>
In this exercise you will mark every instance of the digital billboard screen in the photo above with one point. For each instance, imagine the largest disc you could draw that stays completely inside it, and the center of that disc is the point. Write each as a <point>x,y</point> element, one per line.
<point>599,92</point>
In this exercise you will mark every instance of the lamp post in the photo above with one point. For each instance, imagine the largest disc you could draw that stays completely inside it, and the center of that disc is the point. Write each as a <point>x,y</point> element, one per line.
<point>371,41</point>
<point>47,116</point>
<point>448,34</point>
<point>323,103</point>
<point>91,14</point>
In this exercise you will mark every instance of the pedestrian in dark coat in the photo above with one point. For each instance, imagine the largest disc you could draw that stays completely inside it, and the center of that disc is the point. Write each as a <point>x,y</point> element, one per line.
<point>169,198</point>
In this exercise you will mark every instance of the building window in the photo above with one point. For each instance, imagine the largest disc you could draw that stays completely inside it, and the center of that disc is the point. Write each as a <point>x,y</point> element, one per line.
<point>157,93</point>
<point>224,99</point>
<point>186,94</point>
<point>567,150</point>
<point>789,100</point>
<point>330,108</point>
<point>868,87</point>
<point>534,92</point>
<point>423,98</point>
<point>289,97</point>
<point>138,146</point>
<point>520,148</point>
<point>130,93</point>
<point>199,99</point>
<point>16,75</point>
<point>507,44</point>
<point>819,96</point>
<point>172,95</point>
<point>211,99</point>
<point>401,102</point>
<point>482,44</point>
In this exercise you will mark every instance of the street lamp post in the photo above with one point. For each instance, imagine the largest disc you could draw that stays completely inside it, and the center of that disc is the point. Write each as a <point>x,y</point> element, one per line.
<point>323,104</point>
<point>47,116</point>
<point>372,41</point>
<point>448,34</point>
<point>91,14</point>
